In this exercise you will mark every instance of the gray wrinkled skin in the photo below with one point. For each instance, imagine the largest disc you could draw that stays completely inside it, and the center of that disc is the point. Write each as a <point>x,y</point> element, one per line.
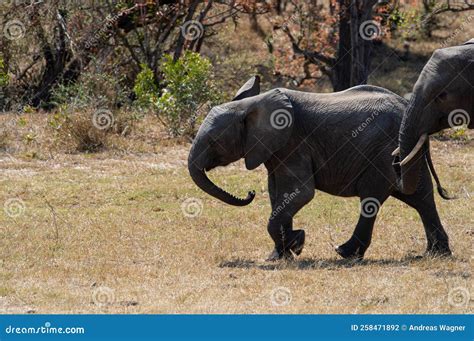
<point>339,143</point>
<point>445,86</point>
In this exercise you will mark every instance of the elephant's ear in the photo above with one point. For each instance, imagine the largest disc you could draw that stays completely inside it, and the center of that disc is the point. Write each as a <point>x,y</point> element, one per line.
<point>268,125</point>
<point>249,89</point>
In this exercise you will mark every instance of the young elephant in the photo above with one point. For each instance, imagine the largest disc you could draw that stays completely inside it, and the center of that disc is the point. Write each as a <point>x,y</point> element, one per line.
<point>339,143</point>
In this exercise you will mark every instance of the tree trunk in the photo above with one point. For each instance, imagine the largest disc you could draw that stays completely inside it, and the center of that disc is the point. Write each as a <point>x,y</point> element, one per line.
<point>341,73</point>
<point>361,15</point>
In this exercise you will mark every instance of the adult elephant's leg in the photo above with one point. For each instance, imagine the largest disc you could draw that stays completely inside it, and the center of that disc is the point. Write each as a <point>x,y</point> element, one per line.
<point>360,240</point>
<point>289,191</point>
<point>423,201</point>
<point>373,190</point>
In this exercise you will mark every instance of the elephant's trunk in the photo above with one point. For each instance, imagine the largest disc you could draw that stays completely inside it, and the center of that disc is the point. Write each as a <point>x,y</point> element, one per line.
<point>199,176</point>
<point>411,146</point>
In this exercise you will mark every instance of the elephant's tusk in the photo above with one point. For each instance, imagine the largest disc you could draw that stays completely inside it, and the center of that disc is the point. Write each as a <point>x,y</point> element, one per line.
<point>415,150</point>
<point>396,151</point>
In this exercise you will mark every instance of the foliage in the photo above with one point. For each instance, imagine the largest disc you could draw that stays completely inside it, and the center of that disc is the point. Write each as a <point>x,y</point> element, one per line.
<point>97,94</point>
<point>145,88</point>
<point>3,74</point>
<point>97,90</point>
<point>406,22</point>
<point>56,41</point>
<point>190,89</point>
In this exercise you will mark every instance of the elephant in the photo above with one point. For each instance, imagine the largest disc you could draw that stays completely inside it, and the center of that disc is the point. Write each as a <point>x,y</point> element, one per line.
<point>442,97</point>
<point>339,143</point>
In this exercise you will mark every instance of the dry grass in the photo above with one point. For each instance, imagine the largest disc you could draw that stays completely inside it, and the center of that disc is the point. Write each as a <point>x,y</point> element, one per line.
<point>102,234</point>
<point>106,233</point>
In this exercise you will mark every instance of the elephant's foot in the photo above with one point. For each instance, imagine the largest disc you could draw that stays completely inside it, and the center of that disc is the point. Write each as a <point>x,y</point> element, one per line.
<point>438,249</point>
<point>292,249</point>
<point>351,250</point>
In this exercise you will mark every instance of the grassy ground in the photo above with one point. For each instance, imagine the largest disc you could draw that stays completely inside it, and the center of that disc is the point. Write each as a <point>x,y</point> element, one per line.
<point>107,234</point>
<point>116,232</point>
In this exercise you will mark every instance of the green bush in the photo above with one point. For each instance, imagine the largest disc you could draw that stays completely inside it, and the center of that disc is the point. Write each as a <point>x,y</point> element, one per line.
<point>93,90</point>
<point>145,88</point>
<point>3,74</point>
<point>4,79</point>
<point>189,91</point>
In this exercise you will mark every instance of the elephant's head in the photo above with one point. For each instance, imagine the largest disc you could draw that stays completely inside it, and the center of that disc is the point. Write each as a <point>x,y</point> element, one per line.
<point>248,127</point>
<point>443,96</point>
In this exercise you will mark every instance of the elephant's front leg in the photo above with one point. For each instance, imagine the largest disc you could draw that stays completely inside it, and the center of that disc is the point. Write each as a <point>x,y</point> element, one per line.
<point>288,195</point>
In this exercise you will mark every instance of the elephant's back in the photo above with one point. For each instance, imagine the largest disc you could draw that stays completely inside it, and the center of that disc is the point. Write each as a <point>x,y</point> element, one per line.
<point>346,108</point>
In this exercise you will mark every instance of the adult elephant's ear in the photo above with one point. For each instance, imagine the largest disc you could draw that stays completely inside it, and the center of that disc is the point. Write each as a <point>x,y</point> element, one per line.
<point>269,123</point>
<point>249,89</point>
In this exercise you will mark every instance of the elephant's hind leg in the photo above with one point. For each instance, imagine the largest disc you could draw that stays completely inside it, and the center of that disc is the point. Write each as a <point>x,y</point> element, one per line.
<point>423,202</point>
<point>373,190</point>
<point>360,240</point>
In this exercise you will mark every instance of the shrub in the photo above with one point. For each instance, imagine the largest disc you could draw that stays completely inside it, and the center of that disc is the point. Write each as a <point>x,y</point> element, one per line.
<point>93,90</point>
<point>4,139</point>
<point>87,112</point>
<point>4,79</point>
<point>3,74</point>
<point>190,90</point>
<point>77,129</point>
<point>145,88</point>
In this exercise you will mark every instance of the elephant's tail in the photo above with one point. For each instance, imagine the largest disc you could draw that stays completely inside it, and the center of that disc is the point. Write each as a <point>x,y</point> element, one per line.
<point>442,192</point>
